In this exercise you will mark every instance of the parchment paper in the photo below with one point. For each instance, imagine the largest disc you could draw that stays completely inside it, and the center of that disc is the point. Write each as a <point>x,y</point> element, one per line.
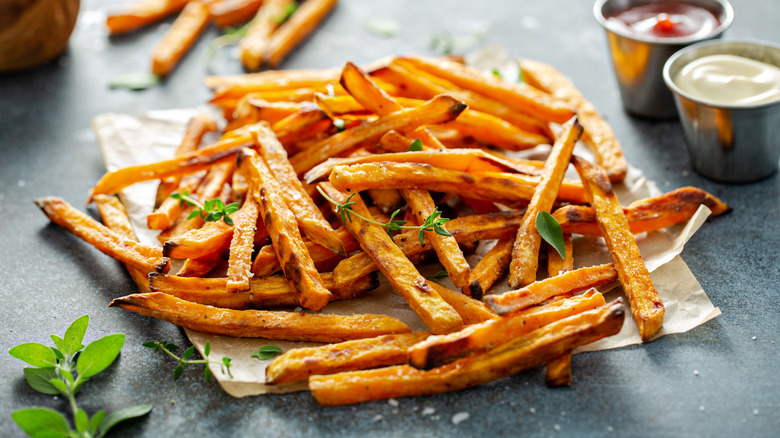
<point>128,140</point>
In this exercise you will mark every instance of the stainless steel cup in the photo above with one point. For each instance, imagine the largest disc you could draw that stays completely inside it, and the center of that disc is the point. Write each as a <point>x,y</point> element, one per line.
<point>639,60</point>
<point>731,143</point>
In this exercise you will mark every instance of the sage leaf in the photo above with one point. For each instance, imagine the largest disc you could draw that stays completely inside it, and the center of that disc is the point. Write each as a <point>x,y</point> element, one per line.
<point>266,352</point>
<point>135,81</point>
<point>121,415</point>
<point>550,231</point>
<point>39,378</point>
<point>74,335</point>
<point>99,355</point>
<point>35,354</point>
<point>41,422</point>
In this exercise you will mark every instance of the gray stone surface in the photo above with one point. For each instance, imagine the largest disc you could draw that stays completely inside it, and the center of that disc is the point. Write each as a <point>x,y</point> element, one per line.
<point>49,277</point>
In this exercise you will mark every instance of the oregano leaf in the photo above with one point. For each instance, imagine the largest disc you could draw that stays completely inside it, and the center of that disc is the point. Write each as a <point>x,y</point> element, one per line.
<point>121,415</point>
<point>74,335</point>
<point>41,422</point>
<point>39,379</point>
<point>35,354</point>
<point>98,355</point>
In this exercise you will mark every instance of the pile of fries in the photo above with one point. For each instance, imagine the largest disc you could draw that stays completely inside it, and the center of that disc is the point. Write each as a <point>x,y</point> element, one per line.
<point>419,139</point>
<point>276,27</point>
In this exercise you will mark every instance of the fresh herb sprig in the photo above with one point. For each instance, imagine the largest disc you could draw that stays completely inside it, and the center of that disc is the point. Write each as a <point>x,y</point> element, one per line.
<point>551,232</point>
<point>230,36</point>
<point>57,372</point>
<point>266,352</point>
<point>432,223</point>
<point>186,358</point>
<point>209,211</point>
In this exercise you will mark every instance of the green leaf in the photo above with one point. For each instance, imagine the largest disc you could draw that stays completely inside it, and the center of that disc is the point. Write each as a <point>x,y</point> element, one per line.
<point>207,349</point>
<point>287,13</point>
<point>415,146</point>
<point>35,354</point>
<point>438,274</point>
<point>496,73</point>
<point>74,335</point>
<point>60,385</point>
<point>99,354</point>
<point>81,420</point>
<point>177,372</point>
<point>135,81</point>
<point>228,220</point>
<point>58,342</point>
<point>121,415</point>
<point>382,27</point>
<point>207,374</point>
<point>550,231</point>
<point>41,422</point>
<point>96,421</point>
<point>188,352</point>
<point>39,378</point>
<point>266,352</point>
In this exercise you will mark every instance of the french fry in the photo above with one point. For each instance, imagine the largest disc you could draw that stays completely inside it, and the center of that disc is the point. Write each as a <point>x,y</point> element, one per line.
<point>646,215</point>
<point>646,305</point>
<point>597,133</point>
<point>128,251</point>
<point>490,268</point>
<point>237,86</point>
<point>222,151</point>
<point>361,354</point>
<point>115,218</point>
<point>420,84</point>
<point>520,354</point>
<point>540,291</point>
<point>241,246</point>
<point>519,95</point>
<point>229,13</point>
<point>264,292</point>
<point>558,372</point>
<point>490,186</point>
<point>303,22</point>
<point>202,266</point>
<point>439,316</point>
<point>436,351</point>
<point>472,311</point>
<point>438,110</point>
<point>254,45</point>
<point>309,217</point>
<point>170,209</point>
<point>525,253</point>
<point>556,264</point>
<point>142,13</point>
<point>288,326</point>
<point>266,262</point>
<point>282,227</point>
<point>197,127</point>
<point>177,41</point>
<point>468,228</point>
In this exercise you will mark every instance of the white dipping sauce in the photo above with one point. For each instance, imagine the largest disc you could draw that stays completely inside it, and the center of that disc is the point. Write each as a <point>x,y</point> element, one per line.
<point>730,80</point>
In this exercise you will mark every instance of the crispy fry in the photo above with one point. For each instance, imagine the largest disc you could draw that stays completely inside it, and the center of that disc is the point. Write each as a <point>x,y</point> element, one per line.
<point>266,262</point>
<point>264,292</point>
<point>646,305</point>
<point>491,186</point>
<point>558,372</point>
<point>525,253</point>
<point>468,228</point>
<point>436,351</point>
<point>288,326</point>
<point>222,151</point>
<point>115,218</point>
<point>388,200</point>
<point>540,291</point>
<point>597,135</point>
<point>177,41</point>
<point>254,45</point>
<point>438,110</point>
<point>309,217</point>
<point>282,227</point>
<point>229,13</point>
<point>490,268</point>
<point>128,251</point>
<point>241,247</point>
<point>202,266</point>
<point>420,84</point>
<point>402,274</point>
<point>361,354</point>
<point>197,127</point>
<point>446,247</point>
<point>170,209</point>
<point>472,311</point>
<point>519,95</point>
<point>523,353</point>
<point>646,215</point>
<point>142,13</point>
<point>272,80</point>
<point>557,265</point>
<point>303,22</point>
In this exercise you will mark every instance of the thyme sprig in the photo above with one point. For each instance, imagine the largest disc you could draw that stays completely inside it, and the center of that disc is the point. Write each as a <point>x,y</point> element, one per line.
<point>209,211</point>
<point>434,222</point>
<point>168,348</point>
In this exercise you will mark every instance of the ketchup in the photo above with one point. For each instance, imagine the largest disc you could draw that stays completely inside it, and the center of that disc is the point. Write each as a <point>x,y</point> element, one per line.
<point>665,19</point>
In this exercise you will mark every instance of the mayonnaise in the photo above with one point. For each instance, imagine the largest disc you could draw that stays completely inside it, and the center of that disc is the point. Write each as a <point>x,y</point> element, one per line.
<point>730,80</point>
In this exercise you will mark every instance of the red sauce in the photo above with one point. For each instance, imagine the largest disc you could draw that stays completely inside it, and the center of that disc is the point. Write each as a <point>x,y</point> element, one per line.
<point>665,19</point>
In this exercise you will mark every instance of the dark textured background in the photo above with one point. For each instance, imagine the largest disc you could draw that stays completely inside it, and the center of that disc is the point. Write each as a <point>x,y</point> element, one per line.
<point>49,277</point>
